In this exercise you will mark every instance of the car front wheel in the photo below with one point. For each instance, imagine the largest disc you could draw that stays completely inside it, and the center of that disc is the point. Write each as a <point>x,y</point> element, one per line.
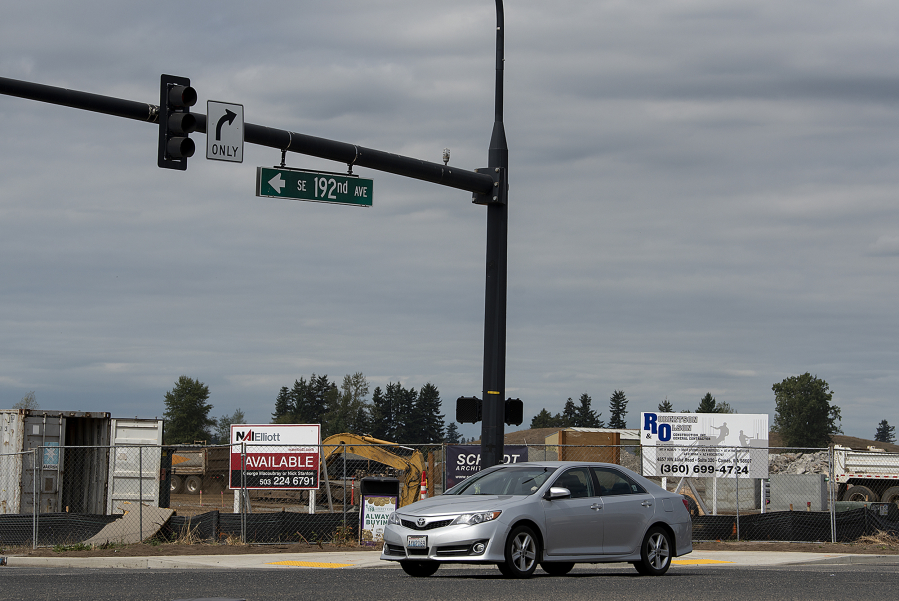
<point>655,553</point>
<point>522,553</point>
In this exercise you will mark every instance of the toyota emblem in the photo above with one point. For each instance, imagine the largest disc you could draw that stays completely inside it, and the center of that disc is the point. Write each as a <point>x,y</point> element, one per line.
<point>421,522</point>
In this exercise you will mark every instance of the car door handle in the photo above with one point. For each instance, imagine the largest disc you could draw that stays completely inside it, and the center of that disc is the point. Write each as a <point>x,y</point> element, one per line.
<point>596,507</point>
<point>646,503</point>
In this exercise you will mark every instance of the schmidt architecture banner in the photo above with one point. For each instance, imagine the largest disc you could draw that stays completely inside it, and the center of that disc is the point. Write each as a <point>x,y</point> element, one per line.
<point>704,445</point>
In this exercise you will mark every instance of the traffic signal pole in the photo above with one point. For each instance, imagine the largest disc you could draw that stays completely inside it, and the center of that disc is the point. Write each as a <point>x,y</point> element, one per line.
<point>495,295</point>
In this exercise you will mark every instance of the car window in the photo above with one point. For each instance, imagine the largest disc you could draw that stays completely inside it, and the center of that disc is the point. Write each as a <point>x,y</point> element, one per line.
<point>504,481</point>
<point>613,482</point>
<point>578,481</point>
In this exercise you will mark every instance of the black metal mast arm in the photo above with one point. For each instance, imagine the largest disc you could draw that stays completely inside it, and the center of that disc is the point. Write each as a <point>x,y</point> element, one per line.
<point>348,154</point>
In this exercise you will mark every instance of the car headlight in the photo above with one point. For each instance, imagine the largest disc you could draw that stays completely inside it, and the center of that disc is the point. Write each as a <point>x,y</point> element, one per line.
<point>393,519</point>
<point>470,519</point>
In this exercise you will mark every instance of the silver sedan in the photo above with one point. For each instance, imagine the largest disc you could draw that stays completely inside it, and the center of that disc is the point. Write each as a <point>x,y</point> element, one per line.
<point>551,513</point>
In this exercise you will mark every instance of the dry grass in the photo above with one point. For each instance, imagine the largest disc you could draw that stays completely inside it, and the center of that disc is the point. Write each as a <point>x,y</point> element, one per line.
<point>884,539</point>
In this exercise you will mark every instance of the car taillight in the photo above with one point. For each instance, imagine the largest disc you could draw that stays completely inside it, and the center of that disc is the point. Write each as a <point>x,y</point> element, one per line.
<point>687,505</point>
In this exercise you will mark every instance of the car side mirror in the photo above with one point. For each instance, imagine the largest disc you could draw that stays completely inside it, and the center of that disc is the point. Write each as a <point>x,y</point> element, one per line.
<point>557,492</point>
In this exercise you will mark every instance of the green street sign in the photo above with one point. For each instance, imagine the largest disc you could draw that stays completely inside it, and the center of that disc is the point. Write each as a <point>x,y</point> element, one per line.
<point>317,186</point>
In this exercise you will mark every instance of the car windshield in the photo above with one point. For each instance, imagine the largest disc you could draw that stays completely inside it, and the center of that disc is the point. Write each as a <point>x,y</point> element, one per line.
<point>504,481</point>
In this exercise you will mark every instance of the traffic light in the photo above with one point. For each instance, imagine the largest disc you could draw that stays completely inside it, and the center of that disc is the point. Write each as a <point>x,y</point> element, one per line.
<point>514,412</point>
<point>468,410</point>
<point>175,122</point>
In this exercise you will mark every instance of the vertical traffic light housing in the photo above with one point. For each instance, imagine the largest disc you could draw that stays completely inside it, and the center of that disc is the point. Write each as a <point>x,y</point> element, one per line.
<point>175,122</point>
<point>468,410</point>
<point>514,412</point>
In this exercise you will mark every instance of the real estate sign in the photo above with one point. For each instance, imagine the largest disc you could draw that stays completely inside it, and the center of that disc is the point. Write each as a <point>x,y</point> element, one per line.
<point>268,456</point>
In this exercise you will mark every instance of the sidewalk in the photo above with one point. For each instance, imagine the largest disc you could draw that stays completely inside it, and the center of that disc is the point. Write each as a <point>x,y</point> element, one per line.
<point>367,559</point>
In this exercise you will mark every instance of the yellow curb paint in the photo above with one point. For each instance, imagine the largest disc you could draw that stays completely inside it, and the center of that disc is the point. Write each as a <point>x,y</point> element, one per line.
<point>310,564</point>
<point>697,562</point>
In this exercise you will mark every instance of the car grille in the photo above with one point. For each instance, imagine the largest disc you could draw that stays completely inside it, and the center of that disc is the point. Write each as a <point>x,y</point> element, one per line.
<point>429,526</point>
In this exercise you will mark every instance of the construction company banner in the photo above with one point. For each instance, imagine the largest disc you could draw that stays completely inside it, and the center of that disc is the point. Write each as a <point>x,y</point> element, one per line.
<point>704,445</point>
<point>463,461</point>
<point>277,456</point>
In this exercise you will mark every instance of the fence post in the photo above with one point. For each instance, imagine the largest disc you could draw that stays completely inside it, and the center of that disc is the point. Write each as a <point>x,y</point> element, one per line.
<point>243,493</point>
<point>34,499</point>
<point>737,484</point>
<point>832,495</point>
<point>140,490</point>
<point>344,491</point>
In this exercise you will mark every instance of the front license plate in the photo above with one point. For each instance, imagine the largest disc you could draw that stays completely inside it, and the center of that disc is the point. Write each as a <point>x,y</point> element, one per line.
<point>417,541</point>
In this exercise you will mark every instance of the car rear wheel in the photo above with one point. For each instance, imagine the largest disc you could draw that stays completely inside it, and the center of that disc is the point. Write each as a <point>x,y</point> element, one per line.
<point>522,552</point>
<point>559,568</point>
<point>420,569</point>
<point>655,553</point>
<point>175,485</point>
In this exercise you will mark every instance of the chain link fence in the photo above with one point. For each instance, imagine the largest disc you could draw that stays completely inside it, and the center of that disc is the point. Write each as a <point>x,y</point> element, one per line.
<point>341,494</point>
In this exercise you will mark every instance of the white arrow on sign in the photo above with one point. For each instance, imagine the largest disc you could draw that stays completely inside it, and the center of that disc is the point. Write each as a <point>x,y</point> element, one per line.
<point>277,183</point>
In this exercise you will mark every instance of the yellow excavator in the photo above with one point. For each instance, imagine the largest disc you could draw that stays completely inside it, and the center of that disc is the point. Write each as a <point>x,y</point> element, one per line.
<point>410,462</point>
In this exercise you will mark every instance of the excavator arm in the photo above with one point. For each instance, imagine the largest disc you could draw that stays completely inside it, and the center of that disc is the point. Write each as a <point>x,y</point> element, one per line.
<point>378,450</point>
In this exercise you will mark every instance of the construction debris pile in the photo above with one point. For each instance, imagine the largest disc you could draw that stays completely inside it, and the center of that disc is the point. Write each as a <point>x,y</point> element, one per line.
<point>798,463</point>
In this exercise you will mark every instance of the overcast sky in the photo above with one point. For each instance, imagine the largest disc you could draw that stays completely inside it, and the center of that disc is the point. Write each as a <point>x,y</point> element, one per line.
<point>703,199</point>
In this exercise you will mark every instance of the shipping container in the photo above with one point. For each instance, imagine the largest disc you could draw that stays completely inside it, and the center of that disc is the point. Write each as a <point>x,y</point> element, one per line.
<point>59,461</point>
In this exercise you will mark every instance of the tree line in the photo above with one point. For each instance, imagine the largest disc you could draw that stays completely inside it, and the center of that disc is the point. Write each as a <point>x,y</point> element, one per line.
<point>804,413</point>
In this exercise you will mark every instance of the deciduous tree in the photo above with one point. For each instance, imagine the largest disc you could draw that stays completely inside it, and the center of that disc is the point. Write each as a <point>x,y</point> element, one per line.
<point>803,413</point>
<point>187,412</point>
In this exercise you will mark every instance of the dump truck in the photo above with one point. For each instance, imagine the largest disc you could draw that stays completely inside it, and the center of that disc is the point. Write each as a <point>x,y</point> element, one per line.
<point>197,468</point>
<point>871,475</point>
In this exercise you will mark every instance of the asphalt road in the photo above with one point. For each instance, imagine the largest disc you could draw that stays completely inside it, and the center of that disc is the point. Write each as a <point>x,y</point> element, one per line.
<point>705,583</point>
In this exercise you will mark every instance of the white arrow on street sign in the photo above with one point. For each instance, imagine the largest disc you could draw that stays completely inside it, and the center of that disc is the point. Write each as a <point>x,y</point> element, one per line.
<point>224,131</point>
<point>277,183</point>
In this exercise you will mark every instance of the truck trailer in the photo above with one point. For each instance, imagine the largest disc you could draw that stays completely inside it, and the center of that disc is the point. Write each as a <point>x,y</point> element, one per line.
<point>871,475</point>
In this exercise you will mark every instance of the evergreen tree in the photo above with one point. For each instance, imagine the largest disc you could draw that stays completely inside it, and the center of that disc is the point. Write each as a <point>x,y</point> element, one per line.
<point>187,412</point>
<point>321,398</point>
<point>724,407</point>
<point>803,414</point>
<point>587,417</point>
<point>382,415</point>
<point>666,406</point>
<point>299,410</point>
<point>283,405</point>
<point>569,414</point>
<point>707,404</point>
<point>452,434</point>
<point>617,410</point>
<point>427,409</point>
<point>885,432</point>
<point>544,419</point>
<point>408,424</point>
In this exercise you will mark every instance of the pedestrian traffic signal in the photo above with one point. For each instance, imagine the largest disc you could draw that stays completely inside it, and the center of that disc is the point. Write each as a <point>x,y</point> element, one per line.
<point>175,122</point>
<point>468,410</point>
<point>514,412</point>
